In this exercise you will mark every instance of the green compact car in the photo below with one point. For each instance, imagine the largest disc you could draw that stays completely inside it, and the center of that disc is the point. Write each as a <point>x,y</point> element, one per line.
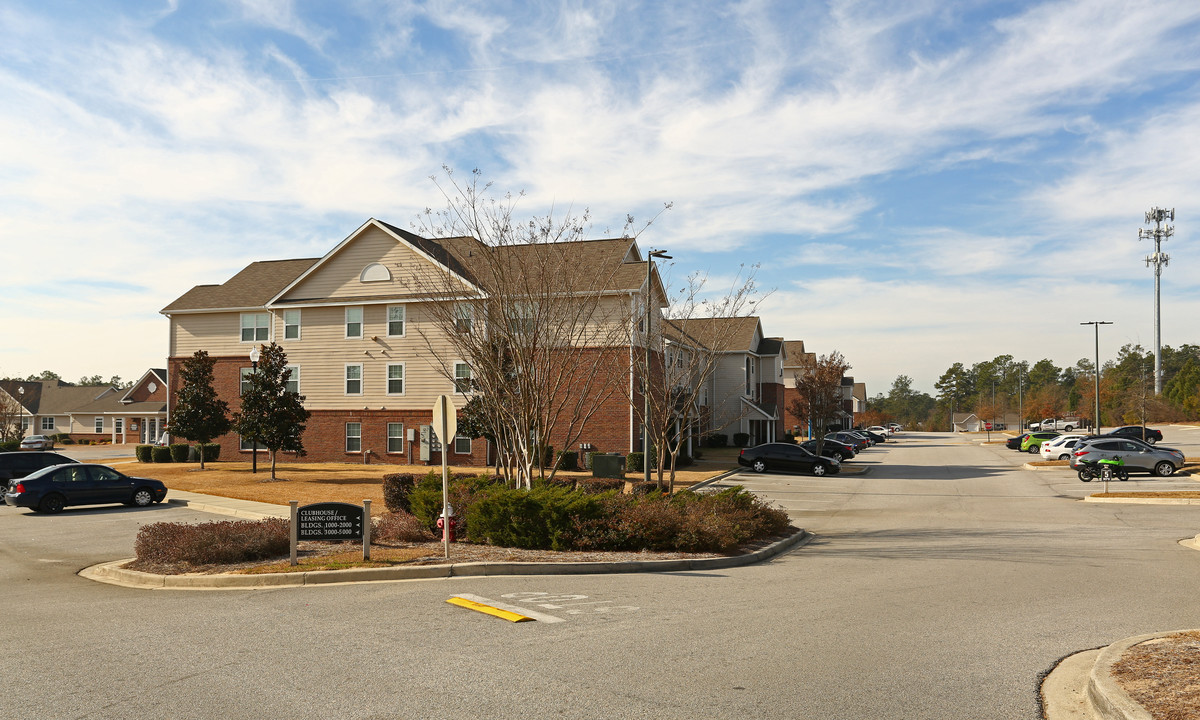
<point>1033,443</point>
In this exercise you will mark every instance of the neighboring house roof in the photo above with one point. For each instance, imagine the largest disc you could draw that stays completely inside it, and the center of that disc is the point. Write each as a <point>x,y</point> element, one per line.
<point>54,397</point>
<point>111,404</point>
<point>770,346</point>
<point>729,334</point>
<point>860,391</point>
<point>253,287</point>
<point>767,409</point>
<point>159,374</point>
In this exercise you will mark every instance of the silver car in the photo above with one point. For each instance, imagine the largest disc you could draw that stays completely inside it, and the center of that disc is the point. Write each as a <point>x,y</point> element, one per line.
<point>1137,455</point>
<point>37,442</point>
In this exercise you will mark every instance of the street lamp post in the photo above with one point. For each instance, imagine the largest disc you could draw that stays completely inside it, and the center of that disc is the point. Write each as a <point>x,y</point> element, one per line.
<point>254,356</point>
<point>646,370</point>
<point>1096,325</point>
<point>21,413</point>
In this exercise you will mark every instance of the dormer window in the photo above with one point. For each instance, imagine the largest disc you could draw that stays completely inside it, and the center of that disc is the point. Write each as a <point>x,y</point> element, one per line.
<point>375,272</point>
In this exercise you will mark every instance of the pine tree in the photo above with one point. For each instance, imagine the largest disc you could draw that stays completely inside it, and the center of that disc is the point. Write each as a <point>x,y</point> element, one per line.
<point>199,415</point>
<point>272,415</point>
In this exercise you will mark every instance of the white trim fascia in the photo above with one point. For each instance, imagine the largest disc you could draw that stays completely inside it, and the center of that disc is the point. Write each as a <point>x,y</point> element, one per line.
<point>755,406</point>
<point>201,311</point>
<point>392,300</point>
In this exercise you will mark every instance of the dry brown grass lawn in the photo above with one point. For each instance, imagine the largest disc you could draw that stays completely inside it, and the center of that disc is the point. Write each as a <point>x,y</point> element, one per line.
<point>1164,675</point>
<point>328,482</point>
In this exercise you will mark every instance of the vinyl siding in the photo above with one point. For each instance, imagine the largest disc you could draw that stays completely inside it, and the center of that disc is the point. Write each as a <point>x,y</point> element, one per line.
<point>412,274</point>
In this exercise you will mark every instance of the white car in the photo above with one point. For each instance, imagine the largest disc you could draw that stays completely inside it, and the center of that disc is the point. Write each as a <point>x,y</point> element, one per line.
<point>881,430</point>
<point>895,427</point>
<point>1060,447</point>
<point>37,442</point>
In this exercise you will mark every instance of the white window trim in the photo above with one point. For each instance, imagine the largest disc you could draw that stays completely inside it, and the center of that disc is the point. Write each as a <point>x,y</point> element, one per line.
<point>463,312</point>
<point>299,324</point>
<point>346,379</point>
<point>98,424</point>
<point>403,439</point>
<point>245,445</point>
<point>242,374</point>
<point>403,379</point>
<point>470,377</point>
<point>347,436</point>
<point>361,322</point>
<point>296,376</point>
<point>388,320</point>
<point>50,419</point>
<point>267,327</point>
<point>462,437</point>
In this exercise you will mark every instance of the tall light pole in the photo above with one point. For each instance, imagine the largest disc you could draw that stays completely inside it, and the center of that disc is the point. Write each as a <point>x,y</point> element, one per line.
<point>1096,324</point>
<point>254,356</point>
<point>21,413</point>
<point>1159,259</point>
<point>646,370</point>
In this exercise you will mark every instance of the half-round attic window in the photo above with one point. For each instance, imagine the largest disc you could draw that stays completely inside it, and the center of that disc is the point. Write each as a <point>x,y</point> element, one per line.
<point>375,272</point>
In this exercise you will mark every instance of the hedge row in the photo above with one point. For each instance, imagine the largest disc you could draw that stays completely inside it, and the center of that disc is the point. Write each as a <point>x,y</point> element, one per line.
<point>211,543</point>
<point>177,452</point>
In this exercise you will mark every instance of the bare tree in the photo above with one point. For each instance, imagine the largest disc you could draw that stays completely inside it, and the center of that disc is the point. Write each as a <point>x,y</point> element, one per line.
<point>11,413</point>
<point>687,345</point>
<point>819,391</point>
<point>530,317</point>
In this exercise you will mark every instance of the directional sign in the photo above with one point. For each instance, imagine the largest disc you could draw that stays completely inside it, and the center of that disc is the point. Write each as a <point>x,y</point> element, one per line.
<point>330,521</point>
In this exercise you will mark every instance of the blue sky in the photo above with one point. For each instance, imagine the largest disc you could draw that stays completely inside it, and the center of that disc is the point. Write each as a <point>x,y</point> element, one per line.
<point>922,182</point>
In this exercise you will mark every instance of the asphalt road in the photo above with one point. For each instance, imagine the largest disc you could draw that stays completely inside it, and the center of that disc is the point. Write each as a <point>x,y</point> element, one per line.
<point>938,586</point>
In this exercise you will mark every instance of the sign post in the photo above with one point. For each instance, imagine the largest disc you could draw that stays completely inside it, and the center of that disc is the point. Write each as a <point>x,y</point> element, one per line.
<point>445,424</point>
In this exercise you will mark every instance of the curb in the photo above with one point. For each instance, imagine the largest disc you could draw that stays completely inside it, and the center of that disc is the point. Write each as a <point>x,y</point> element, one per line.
<point>1144,501</point>
<point>113,574</point>
<point>1108,700</point>
<point>215,509</point>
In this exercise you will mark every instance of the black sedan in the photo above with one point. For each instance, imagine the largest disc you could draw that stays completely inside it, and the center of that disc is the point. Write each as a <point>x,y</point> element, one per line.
<point>786,456</point>
<point>830,448</point>
<point>1015,442</point>
<point>51,489</point>
<point>1135,432</point>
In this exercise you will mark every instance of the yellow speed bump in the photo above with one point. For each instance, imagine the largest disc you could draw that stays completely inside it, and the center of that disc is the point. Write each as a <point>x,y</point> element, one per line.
<point>488,609</point>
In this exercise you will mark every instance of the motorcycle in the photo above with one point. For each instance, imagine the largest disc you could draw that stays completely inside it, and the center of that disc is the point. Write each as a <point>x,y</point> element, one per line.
<point>1095,469</point>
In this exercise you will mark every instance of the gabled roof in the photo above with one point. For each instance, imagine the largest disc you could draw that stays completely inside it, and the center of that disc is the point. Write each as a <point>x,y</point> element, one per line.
<point>54,397</point>
<point>615,262</point>
<point>159,374</point>
<point>770,346</point>
<point>729,334</point>
<point>253,287</point>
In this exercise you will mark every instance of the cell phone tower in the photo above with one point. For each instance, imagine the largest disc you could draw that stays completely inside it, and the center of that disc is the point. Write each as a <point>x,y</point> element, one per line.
<point>1159,260</point>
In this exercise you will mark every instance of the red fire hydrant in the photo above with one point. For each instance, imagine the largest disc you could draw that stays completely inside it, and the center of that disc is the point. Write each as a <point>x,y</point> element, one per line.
<point>441,525</point>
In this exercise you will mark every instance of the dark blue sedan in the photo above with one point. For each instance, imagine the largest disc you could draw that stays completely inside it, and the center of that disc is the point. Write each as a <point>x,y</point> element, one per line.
<point>51,489</point>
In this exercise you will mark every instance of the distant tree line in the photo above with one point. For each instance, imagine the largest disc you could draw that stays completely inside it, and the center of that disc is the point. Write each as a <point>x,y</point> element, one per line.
<point>86,380</point>
<point>1005,386</point>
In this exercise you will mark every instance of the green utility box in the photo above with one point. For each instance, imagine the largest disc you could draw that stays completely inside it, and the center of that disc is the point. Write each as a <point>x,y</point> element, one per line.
<point>608,466</point>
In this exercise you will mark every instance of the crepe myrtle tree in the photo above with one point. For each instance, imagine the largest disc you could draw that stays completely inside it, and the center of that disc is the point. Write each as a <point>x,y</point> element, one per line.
<point>519,323</point>
<point>687,340</point>
<point>199,414</point>
<point>272,415</point>
<point>819,391</point>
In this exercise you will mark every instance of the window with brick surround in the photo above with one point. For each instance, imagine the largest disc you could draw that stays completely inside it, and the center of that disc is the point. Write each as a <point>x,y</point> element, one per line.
<point>395,437</point>
<point>353,437</point>
<point>462,445</point>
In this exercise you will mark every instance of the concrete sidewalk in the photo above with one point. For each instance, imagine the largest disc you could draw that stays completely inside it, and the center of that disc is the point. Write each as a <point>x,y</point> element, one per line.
<point>245,509</point>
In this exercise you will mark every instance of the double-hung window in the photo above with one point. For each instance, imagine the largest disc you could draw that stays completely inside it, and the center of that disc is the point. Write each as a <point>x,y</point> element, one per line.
<point>245,384</point>
<point>47,423</point>
<point>395,320</point>
<point>293,381</point>
<point>256,327</point>
<point>291,324</point>
<point>462,377</point>
<point>464,319</point>
<point>354,322</point>
<point>99,428</point>
<point>353,437</point>
<point>395,379</point>
<point>395,437</point>
<point>462,445</point>
<point>354,379</point>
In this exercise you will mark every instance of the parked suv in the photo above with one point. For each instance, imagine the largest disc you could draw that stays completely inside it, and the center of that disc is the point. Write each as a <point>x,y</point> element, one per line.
<point>19,464</point>
<point>1137,455</point>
